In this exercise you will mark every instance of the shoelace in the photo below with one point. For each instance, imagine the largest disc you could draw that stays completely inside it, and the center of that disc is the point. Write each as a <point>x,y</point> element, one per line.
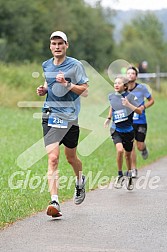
<point>120,179</point>
<point>78,191</point>
<point>53,202</point>
<point>130,181</point>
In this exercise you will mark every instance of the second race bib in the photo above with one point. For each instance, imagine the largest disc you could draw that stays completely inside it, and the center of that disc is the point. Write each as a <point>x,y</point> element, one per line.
<point>120,115</point>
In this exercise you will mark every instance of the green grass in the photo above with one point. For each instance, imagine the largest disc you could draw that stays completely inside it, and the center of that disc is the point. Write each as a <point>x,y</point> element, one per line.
<point>18,83</point>
<point>19,131</point>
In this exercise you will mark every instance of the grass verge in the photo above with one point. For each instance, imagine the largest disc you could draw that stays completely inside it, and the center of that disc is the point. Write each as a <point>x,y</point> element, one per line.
<point>20,131</point>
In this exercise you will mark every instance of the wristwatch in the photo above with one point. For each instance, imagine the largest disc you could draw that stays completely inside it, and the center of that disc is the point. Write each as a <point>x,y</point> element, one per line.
<point>68,84</point>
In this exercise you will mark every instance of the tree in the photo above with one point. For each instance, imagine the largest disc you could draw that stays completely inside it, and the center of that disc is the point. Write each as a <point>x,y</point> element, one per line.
<point>142,39</point>
<point>25,36</point>
<point>21,31</point>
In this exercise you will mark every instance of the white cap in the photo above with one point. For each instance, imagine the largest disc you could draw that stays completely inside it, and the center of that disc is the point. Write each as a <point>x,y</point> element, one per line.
<point>59,34</point>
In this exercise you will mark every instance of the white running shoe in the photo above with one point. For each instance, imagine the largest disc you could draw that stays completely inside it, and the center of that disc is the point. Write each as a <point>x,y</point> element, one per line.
<point>54,209</point>
<point>119,182</point>
<point>129,184</point>
<point>134,173</point>
<point>79,194</point>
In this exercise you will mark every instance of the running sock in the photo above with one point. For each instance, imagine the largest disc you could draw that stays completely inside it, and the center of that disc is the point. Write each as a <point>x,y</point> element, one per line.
<point>79,181</point>
<point>130,173</point>
<point>120,173</point>
<point>54,197</point>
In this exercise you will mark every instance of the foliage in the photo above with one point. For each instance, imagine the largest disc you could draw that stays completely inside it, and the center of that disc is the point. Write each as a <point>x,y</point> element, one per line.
<point>25,35</point>
<point>21,32</point>
<point>17,83</point>
<point>142,39</point>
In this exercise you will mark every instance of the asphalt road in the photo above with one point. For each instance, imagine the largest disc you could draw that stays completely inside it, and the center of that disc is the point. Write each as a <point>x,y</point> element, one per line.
<point>113,220</point>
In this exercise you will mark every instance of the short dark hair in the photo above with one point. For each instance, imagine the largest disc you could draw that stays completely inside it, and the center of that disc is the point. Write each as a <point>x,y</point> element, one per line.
<point>133,68</point>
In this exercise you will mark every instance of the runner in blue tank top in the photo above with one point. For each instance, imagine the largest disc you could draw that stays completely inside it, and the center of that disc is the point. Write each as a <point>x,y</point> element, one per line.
<point>139,121</point>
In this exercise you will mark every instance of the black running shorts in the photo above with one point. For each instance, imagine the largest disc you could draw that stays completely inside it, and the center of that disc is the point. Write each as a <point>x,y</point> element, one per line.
<point>67,136</point>
<point>125,138</point>
<point>140,132</point>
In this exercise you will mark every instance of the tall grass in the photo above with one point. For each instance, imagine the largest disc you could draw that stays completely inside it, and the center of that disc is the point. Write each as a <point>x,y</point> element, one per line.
<point>18,83</point>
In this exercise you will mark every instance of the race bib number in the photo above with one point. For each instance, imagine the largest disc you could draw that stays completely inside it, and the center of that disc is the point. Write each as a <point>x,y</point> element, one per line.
<point>120,116</point>
<point>57,122</point>
<point>135,116</point>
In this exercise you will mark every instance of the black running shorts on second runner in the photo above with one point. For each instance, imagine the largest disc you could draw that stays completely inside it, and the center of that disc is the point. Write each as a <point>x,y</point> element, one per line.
<point>126,139</point>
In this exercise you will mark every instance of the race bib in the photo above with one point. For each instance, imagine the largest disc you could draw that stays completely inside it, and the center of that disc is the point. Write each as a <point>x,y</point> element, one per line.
<point>120,115</point>
<point>135,116</point>
<point>56,122</point>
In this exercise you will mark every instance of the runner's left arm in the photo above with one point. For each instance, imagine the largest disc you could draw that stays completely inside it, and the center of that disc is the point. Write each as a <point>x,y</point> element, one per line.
<point>149,103</point>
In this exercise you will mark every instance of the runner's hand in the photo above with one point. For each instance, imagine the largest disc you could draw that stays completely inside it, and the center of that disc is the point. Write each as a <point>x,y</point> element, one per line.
<point>41,90</point>
<point>106,123</point>
<point>61,79</point>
